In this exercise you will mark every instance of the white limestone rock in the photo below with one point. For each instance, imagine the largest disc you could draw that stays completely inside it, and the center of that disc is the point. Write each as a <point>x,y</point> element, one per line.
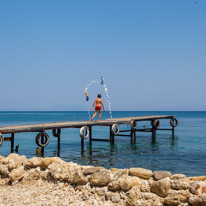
<point>161,187</point>
<point>140,172</point>
<point>16,174</point>
<point>101,178</point>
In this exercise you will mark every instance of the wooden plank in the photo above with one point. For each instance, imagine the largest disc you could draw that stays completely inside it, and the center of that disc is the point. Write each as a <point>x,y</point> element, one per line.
<point>76,124</point>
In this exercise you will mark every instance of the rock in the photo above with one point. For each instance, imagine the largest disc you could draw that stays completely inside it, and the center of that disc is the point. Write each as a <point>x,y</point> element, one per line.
<point>45,162</point>
<point>119,170</point>
<point>117,174</point>
<point>4,161</point>
<point>4,181</point>
<point>4,170</point>
<point>124,183</point>
<point>161,187</point>
<point>151,199</point>
<point>32,176</point>
<point>101,178</point>
<point>79,187</point>
<point>12,156</point>
<point>114,185</point>
<point>115,198</point>
<point>177,176</point>
<point>198,188</point>
<point>199,200</point>
<point>108,196</point>
<point>78,178</point>
<point>181,184</point>
<point>17,174</point>
<point>15,183</point>
<point>145,186</point>
<point>133,196</point>
<point>63,171</point>
<point>177,197</point>
<point>199,178</point>
<point>101,191</point>
<point>140,172</point>
<point>91,170</point>
<point>161,174</point>
<point>45,175</point>
<point>143,203</point>
<point>33,162</point>
<point>127,182</point>
<point>34,173</point>
<point>16,162</point>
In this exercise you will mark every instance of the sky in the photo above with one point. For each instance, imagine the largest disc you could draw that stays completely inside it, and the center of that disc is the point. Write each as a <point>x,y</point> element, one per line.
<point>152,54</point>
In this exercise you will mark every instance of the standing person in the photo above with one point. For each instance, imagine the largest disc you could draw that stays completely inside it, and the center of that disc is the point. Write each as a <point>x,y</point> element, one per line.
<point>98,107</point>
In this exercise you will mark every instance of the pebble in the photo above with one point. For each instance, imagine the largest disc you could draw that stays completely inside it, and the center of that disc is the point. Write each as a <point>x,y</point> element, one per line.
<point>47,194</point>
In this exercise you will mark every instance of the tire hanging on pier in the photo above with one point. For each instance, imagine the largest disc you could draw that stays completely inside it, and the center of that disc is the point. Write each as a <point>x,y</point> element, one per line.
<point>1,139</point>
<point>84,132</point>
<point>115,129</point>
<point>155,123</point>
<point>133,124</point>
<point>174,122</point>
<point>56,132</point>
<point>45,137</point>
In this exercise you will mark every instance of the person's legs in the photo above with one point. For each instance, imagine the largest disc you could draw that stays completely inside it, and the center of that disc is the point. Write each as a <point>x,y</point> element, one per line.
<point>95,113</point>
<point>100,114</point>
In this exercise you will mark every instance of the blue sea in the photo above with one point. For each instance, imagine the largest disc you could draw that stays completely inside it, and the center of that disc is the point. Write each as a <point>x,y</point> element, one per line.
<point>184,153</point>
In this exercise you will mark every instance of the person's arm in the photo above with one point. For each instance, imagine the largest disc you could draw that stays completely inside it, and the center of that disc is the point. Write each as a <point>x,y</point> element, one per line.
<point>93,104</point>
<point>102,105</point>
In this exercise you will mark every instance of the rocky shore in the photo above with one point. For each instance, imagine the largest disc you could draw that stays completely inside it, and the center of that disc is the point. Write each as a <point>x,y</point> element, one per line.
<point>52,181</point>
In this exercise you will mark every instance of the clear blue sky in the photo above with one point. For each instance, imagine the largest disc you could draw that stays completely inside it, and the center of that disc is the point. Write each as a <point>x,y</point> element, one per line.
<point>152,53</point>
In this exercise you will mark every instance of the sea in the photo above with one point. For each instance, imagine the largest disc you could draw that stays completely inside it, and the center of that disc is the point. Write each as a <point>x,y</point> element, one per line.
<point>183,153</point>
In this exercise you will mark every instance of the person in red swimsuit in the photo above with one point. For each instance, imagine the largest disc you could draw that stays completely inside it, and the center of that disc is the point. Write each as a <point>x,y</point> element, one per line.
<point>98,107</point>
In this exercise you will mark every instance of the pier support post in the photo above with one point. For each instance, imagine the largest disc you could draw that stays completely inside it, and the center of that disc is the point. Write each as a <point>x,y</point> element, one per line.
<point>12,142</point>
<point>132,135</point>
<point>90,135</point>
<point>111,136</point>
<point>82,144</point>
<point>153,132</point>
<point>173,131</point>
<point>58,142</point>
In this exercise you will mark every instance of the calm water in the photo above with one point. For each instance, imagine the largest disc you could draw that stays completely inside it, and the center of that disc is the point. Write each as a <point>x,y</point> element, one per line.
<point>185,153</point>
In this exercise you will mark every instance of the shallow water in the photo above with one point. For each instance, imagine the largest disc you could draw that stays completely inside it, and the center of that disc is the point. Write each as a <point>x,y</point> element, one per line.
<point>183,153</point>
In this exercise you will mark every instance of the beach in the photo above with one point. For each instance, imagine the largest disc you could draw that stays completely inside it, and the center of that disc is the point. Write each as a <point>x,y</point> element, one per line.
<point>52,181</point>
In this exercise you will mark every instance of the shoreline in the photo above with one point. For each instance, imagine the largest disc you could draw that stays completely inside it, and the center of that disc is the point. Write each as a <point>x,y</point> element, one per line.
<point>52,181</point>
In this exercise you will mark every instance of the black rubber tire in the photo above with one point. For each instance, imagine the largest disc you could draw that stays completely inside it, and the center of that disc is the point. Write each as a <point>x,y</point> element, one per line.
<point>115,129</point>
<point>1,139</point>
<point>82,130</point>
<point>38,139</point>
<point>174,122</point>
<point>155,123</point>
<point>56,132</point>
<point>133,124</point>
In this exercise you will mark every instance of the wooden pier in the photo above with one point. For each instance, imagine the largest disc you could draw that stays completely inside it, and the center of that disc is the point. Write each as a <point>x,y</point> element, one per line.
<point>42,138</point>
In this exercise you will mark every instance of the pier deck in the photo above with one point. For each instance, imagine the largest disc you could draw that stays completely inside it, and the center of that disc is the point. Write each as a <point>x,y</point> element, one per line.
<point>42,138</point>
<point>76,124</point>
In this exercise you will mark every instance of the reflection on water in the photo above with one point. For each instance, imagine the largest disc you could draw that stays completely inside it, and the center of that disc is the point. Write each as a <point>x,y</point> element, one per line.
<point>123,154</point>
